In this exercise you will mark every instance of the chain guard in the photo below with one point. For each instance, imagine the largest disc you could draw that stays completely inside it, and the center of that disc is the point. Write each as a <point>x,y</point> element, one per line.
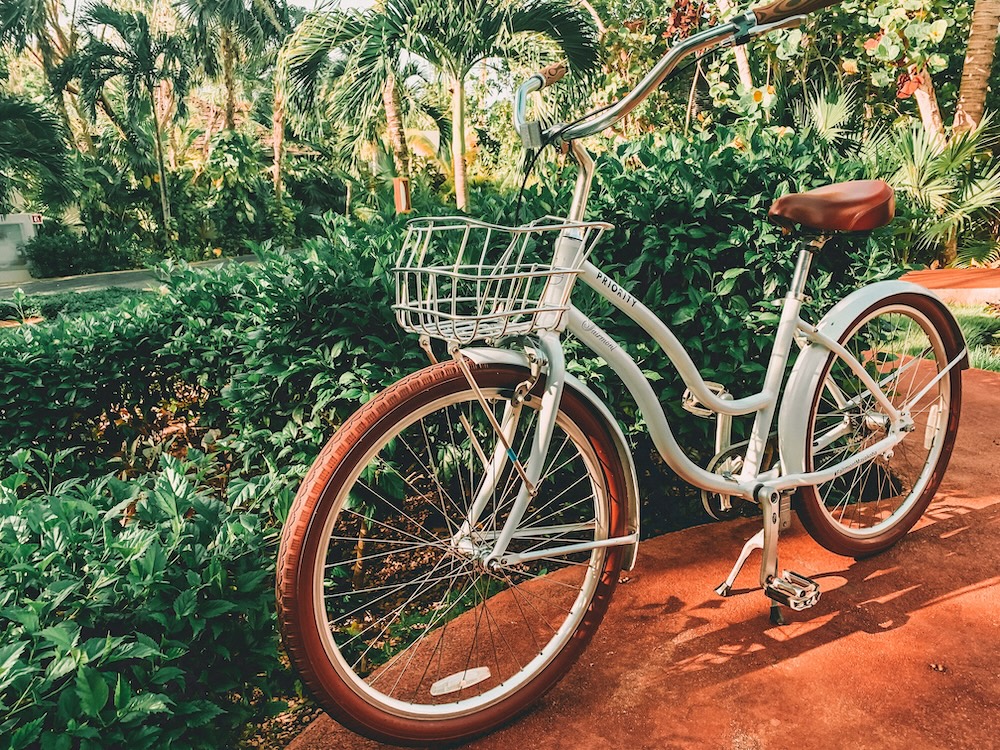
<point>730,461</point>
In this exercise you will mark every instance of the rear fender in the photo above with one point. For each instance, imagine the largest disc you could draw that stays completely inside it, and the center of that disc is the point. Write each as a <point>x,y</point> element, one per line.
<point>796,402</point>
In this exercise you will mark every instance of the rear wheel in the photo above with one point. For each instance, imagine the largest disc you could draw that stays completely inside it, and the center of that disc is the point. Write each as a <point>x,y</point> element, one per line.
<point>385,603</point>
<point>904,342</point>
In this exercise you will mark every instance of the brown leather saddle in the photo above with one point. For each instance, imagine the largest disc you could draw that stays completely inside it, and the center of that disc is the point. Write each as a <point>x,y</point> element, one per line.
<point>858,206</point>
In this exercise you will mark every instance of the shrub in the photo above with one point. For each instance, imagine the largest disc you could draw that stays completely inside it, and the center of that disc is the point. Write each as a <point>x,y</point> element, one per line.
<point>263,362</point>
<point>56,251</point>
<point>94,381</point>
<point>51,306</point>
<point>227,201</point>
<point>133,613</point>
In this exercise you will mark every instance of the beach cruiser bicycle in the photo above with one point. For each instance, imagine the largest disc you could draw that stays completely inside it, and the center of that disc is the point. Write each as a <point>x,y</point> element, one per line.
<point>456,544</point>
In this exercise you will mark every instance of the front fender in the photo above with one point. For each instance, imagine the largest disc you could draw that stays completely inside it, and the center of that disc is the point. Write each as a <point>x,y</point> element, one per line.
<point>796,402</point>
<point>484,355</point>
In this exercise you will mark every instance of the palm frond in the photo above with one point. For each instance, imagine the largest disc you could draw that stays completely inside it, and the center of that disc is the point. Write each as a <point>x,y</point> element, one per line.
<point>828,114</point>
<point>32,151</point>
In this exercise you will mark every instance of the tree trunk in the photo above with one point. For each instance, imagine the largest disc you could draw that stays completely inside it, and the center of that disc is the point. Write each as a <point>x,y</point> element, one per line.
<point>978,61</point>
<point>164,201</point>
<point>109,112</point>
<point>742,58</point>
<point>278,138</point>
<point>601,28</point>
<point>949,253</point>
<point>85,135</point>
<point>394,123</point>
<point>930,113</point>
<point>692,104</point>
<point>743,66</point>
<point>228,77</point>
<point>458,142</point>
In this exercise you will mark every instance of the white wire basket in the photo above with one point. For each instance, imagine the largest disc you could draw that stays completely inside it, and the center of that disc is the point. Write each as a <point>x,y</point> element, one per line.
<point>462,280</point>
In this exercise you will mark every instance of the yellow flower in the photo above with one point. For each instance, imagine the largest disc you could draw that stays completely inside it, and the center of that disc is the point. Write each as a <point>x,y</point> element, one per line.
<point>850,67</point>
<point>758,95</point>
<point>217,251</point>
<point>770,90</point>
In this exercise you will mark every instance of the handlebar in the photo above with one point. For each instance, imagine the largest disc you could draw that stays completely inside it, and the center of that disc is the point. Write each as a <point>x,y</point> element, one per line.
<point>779,10</point>
<point>779,14</point>
<point>553,73</point>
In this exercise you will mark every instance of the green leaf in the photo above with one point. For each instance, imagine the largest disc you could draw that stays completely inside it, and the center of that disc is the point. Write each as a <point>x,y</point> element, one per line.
<point>24,736</point>
<point>92,691</point>
<point>64,635</point>
<point>185,604</point>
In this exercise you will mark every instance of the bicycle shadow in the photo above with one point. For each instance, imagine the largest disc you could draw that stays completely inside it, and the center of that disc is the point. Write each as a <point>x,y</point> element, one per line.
<point>950,555</point>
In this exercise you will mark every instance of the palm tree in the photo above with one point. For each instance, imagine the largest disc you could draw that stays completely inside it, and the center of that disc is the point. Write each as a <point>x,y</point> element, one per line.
<point>141,60</point>
<point>230,31</point>
<point>362,52</point>
<point>978,61</point>
<point>46,32</point>
<point>453,36</point>
<point>387,93</point>
<point>957,187</point>
<point>32,152</point>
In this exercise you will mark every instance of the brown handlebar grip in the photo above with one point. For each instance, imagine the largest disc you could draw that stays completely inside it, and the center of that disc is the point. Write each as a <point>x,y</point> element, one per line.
<point>779,10</point>
<point>553,73</point>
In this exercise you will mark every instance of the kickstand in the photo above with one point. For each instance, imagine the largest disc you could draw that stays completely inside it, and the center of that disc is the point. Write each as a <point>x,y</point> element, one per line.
<point>776,617</point>
<point>753,544</point>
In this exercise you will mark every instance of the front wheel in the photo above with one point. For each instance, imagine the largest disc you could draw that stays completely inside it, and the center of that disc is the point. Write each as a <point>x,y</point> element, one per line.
<point>387,606</point>
<point>904,341</point>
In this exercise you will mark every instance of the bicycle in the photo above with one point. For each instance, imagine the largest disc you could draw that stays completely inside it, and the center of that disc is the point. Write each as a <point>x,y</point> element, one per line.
<point>456,544</point>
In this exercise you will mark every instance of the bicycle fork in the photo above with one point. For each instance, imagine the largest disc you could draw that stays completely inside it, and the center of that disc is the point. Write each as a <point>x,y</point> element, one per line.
<point>504,451</point>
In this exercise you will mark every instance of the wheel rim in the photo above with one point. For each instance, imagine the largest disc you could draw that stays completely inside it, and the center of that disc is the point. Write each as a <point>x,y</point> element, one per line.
<point>452,637</point>
<point>901,349</point>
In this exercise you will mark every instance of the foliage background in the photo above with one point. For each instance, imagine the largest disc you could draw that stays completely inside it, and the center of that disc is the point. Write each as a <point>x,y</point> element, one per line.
<point>157,440</point>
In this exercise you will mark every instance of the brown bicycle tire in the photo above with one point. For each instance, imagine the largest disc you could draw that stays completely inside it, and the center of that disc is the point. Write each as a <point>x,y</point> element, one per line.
<point>315,499</point>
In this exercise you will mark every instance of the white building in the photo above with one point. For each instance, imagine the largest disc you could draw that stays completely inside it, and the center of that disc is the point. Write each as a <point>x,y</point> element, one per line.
<point>15,230</point>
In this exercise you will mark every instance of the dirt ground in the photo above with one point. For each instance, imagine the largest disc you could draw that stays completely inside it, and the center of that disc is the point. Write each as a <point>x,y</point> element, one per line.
<point>902,650</point>
<point>960,286</point>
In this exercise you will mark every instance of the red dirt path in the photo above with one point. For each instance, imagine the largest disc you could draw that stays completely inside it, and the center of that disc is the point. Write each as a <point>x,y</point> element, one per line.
<point>963,286</point>
<point>902,651</point>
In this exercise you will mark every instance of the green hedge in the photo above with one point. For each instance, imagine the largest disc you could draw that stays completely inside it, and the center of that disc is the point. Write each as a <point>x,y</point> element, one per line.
<point>259,364</point>
<point>57,251</point>
<point>132,613</point>
<point>51,306</point>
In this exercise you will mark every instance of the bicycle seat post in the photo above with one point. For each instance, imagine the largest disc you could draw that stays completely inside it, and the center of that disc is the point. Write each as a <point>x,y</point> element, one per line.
<point>807,248</point>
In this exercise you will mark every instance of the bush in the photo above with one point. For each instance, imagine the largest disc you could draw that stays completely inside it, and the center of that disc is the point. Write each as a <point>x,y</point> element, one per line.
<point>261,363</point>
<point>227,201</point>
<point>94,382</point>
<point>54,251</point>
<point>275,355</point>
<point>51,306</point>
<point>132,613</point>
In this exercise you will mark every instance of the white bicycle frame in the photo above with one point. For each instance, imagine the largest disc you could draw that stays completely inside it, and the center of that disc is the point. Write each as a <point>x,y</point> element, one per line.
<point>751,481</point>
<point>752,484</point>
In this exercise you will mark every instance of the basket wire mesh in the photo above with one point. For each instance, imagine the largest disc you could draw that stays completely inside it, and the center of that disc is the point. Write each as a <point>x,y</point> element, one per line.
<point>463,280</point>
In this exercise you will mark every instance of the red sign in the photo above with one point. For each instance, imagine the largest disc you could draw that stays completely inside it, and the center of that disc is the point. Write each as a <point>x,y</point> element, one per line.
<point>36,218</point>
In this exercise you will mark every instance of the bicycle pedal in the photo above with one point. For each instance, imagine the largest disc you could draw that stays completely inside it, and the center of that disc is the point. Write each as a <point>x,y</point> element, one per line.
<point>692,405</point>
<point>793,590</point>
